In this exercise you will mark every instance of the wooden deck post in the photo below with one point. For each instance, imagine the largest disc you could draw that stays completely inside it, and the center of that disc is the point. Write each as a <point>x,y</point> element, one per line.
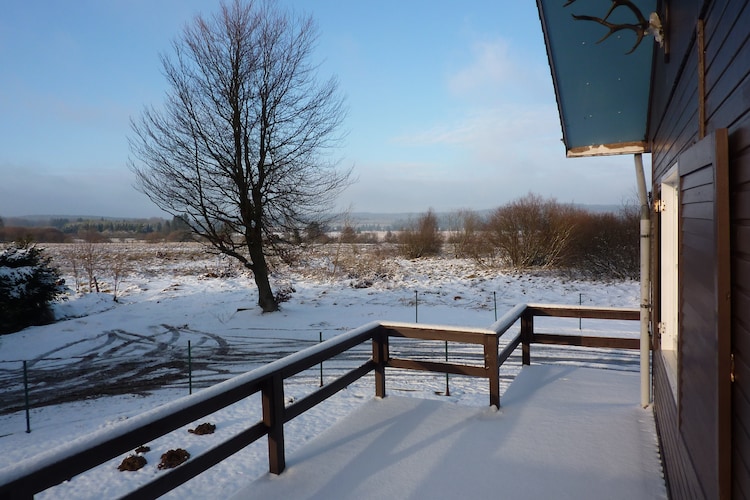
<point>273,417</point>
<point>380,357</point>
<point>492,366</point>
<point>527,333</point>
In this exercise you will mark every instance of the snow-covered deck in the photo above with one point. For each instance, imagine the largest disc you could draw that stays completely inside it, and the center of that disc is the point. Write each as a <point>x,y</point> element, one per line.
<point>562,432</point>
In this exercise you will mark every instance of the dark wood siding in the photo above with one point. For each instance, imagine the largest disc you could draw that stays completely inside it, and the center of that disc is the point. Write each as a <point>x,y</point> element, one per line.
<point>739,153</point>
<point>680,473</point>
<point>674,128</point>
<point>674,102</point>
<point>704,311</point>
<point>728,105</point>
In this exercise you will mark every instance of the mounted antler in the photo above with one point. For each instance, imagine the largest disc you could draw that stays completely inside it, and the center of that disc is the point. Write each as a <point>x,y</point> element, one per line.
<point>641,28</point>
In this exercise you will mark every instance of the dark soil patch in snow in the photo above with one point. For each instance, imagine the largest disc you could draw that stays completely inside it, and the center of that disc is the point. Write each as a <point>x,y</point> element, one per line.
<point>204,428</point>
<point>173,458</point>
<point>132,463</point>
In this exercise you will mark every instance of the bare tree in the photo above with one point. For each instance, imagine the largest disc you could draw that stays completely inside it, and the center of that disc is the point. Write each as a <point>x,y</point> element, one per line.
<point>467,235</point>
<point>242,148</point>
<point>532,231</point>
<point>117,263</point>
<point>88,256</point>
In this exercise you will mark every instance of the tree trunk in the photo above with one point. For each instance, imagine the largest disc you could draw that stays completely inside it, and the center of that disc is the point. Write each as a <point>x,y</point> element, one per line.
<point>266,299</point>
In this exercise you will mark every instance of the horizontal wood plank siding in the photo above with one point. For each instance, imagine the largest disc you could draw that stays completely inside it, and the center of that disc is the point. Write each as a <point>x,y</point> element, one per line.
<point>679,471</point>
<point>741,404</point>
<point>674,100</point>
<point>673,129</point>
<point>700,338</point>
<point>731,97</point>
<point>739,168</point>
<point>727,78</point>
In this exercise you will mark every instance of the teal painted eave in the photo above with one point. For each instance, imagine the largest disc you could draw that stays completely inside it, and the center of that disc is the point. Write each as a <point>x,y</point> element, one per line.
<point>602,91</point>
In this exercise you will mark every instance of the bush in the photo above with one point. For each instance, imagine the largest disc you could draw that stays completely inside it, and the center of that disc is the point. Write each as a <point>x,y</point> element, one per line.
<point>316,233</point>
<point>180,236</point>
<point>467,236</point>
<point>28,283</point>
<point>607,245</point>
<point>423,238</point>
<point>348,234</point>
<point>532,232</point>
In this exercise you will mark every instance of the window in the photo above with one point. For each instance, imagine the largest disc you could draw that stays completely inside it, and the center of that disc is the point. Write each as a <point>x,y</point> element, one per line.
<point>669,326</point>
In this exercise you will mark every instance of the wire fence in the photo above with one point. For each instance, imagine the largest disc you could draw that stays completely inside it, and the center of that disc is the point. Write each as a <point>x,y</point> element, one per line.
<point>119,362</point>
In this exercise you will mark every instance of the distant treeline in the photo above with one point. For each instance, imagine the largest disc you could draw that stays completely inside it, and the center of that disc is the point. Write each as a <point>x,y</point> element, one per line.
<point>530,232</point>
<point>62,229</point>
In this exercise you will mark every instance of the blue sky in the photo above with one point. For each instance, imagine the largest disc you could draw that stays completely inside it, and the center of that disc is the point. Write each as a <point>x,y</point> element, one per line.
<point>450,104</point>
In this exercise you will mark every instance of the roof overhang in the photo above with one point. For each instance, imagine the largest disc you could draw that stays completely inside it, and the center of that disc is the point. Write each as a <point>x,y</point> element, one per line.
<point>601,75</point>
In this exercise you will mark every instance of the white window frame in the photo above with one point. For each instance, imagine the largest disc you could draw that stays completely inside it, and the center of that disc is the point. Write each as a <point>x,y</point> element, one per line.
<point>669,327</point>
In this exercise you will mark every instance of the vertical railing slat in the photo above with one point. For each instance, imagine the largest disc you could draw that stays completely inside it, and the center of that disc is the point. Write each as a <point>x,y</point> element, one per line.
<point>493,368</point>
<point>273,417</point>
<point>380,357</point>
<point>527,335</point>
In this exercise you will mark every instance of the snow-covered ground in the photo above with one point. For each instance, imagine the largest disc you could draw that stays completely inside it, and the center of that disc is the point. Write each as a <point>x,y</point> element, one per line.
<point>108,361</point>
<point>562,432</point>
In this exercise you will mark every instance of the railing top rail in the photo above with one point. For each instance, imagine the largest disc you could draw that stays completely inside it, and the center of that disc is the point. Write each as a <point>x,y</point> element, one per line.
<point>535,305</point>
<point>424,326</point>
<point>436,332</point>
<point>578,311</point>
<point>507,320</point>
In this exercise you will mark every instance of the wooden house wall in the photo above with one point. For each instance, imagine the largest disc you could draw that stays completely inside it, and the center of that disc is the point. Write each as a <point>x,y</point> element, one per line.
<point>739,153</point>
<point>673,119</point>
<point>674,128</point>
<point>704,316</point>
<point>680,474</point>
<point>728,105</point>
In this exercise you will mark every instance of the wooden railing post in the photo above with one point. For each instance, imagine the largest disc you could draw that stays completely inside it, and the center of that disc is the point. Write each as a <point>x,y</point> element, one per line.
<point>380,357</point>
<point>492,366</point>
<point>273,418</point>
<point>527,334</point>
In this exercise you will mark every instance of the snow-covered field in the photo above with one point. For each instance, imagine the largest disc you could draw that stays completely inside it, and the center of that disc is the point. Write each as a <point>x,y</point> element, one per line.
<point>105,361</point>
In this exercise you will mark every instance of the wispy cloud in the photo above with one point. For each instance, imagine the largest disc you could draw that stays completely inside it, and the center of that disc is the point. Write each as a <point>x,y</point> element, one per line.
<point>489,66</point>
<point>501,104</point>
<point>493,135</point>
<point>498,70</point>
<point>500,140</point>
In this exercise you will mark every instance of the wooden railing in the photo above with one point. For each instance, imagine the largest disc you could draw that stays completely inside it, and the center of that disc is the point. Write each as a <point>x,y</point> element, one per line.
<point>33,475</point>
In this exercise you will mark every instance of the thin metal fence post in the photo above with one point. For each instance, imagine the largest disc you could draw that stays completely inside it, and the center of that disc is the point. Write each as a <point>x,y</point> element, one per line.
<point>416,306</point>
<point>447,387</point>
<point>190,369</point>
<point>26,397</point>
<point>580,302</point>
<point>321,363</point>
<point>494,297</point>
